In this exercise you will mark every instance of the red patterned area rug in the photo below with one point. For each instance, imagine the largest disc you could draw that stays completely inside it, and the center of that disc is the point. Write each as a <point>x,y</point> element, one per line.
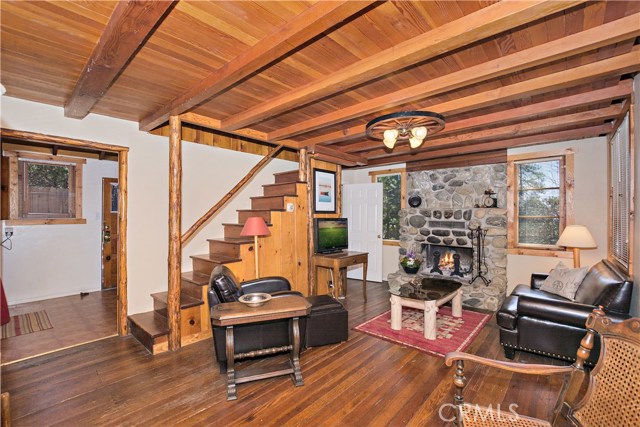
<point>22,324</point>
<point>454,333</point>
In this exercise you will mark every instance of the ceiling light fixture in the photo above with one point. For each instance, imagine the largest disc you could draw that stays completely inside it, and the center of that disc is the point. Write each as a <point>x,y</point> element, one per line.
<point>412,126</point>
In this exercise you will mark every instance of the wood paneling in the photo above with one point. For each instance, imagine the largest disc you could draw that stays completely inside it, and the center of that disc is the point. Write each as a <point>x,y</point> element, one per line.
<point>312,74</point>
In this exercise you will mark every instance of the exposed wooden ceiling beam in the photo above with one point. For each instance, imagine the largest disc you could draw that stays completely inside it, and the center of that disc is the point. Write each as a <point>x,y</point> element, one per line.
<point>471,159</point>
<point>546,138</point>
<point>594,38</point>
<point>521,129</point>
<point>563,79</point>
<point>129,26</point>
<point>471,28</point>
<point>310,23</point>
<point>338,157</point>
<point>527,112</point>
<point>208,122</point>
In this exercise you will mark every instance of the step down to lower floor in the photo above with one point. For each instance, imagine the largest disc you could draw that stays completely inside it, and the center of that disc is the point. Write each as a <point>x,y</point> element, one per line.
<point>151,329</point>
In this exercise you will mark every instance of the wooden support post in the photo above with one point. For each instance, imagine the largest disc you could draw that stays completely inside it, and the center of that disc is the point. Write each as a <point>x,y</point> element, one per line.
<point>123,163</point>
<point>175,224</point>
<point>305,165</point>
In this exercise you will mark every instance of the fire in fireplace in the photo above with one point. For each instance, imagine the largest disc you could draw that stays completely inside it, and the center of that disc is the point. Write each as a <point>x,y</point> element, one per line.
<point>449,261</point>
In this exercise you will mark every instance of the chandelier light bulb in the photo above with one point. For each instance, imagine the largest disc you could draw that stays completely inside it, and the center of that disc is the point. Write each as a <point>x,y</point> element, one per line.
<point>415,142</point>
<point>389,143</point>
<point>420,132</point>
<point>391,134</point>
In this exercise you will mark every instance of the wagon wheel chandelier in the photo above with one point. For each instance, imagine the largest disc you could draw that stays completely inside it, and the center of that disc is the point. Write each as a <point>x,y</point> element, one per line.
<point>412,126</point>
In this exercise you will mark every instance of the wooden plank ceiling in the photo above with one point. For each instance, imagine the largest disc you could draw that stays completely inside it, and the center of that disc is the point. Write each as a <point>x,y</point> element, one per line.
<point>313,73</point>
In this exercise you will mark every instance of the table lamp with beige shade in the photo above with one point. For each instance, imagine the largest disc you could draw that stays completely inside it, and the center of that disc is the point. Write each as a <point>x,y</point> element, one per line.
<point>577,237</point>
<point>255,226</point>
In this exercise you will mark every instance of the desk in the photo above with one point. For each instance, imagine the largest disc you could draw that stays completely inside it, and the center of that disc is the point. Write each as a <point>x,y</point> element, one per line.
<point>229,314</point>
<point>338,263</point>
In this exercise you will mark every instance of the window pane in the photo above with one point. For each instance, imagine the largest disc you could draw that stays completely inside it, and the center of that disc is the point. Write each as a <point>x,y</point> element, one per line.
<point>391,188</point>
<point>544,174</point>
<point>539,231</point>
<point>46,192</point>
<point>539,203</point>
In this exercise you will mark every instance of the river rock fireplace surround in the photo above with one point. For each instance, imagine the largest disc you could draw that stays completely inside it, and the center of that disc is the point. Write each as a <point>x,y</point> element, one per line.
<point>443,223</point>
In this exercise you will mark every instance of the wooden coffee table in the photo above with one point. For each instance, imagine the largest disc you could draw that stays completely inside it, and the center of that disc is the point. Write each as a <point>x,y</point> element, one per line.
<point>230,314</point>
<point>428,295</point>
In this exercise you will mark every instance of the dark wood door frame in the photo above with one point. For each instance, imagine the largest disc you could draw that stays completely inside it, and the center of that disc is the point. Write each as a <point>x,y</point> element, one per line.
<point>123,165</point>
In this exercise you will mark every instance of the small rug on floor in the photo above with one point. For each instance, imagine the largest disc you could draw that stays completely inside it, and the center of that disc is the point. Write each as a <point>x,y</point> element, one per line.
<point>453,333</point>
<point>23,324</point>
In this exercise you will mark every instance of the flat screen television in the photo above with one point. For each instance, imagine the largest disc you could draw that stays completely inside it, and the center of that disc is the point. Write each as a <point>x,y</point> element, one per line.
<point>331,235</point>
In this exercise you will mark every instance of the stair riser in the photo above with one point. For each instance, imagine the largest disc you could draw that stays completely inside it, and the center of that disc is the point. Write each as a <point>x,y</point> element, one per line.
<point>144,338</point>
<point>244,215</point>
<point>268,203</point>
<point>188,288</point>
<point>288,189</point>
<point>232,230</point>
<point>224,248</point>
<point>286,177</point>
<point>202,266</point>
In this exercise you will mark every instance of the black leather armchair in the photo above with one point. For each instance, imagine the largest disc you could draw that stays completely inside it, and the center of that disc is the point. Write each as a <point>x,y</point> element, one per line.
<point>223,287</point>
<point>541,322</point>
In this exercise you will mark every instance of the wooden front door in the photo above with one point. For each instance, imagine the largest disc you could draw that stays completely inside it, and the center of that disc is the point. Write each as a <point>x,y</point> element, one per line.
<point>109,233</point>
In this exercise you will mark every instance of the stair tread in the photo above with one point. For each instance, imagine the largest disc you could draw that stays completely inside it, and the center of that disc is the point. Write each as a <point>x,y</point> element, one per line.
<point>152,323</point>
<point>217,258</point>
<point>239,240</point>
<point>260,210</point>
<point>195,277</point>
<point>186,301</point>
<point>241,225</point>
<point>266,197</point>
<point>286,172</point>
<point>280,184</point>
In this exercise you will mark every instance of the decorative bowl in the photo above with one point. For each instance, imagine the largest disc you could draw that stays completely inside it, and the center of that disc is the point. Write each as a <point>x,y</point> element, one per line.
<point>255,299</point>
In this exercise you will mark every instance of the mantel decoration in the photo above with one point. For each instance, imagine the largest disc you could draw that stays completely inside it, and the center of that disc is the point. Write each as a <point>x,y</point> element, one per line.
<point>411,262</point>
<point>412,126</point>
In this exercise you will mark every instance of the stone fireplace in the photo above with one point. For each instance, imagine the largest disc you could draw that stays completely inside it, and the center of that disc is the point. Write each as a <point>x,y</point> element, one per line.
<point>451,200</point>
<point>447,261</point>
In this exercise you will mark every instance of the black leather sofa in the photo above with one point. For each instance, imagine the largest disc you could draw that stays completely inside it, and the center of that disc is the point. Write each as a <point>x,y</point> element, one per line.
<point>327,322</point>
<point>541,322</point>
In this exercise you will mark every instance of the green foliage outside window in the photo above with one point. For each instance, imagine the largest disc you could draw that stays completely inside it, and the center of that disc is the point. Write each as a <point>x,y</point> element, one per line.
<point>539,202</point>
<point>391,204</point>
<point>51,176</point>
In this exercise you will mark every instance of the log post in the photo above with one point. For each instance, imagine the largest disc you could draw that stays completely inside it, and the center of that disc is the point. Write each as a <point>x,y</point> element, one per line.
<point>304,171</point>
<point>122,241</point>
<point>175,223</point>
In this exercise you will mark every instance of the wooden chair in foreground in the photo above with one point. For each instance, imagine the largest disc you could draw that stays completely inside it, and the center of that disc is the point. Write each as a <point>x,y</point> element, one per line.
<point>607,396</point>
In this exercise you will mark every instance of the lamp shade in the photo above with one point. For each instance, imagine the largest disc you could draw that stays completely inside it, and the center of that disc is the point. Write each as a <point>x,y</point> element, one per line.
<point>577,236</point>
<point>255,226</point>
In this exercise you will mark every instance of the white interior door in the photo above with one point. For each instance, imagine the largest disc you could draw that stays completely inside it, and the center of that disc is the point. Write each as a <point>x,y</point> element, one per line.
<point>362,204</point>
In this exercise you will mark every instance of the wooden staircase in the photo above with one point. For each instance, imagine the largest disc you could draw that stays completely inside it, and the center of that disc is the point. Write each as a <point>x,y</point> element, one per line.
<point>236,252</point>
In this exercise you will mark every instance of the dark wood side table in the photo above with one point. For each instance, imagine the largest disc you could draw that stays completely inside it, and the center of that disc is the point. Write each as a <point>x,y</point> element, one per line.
<point>339,262</point>
<point>230,314</point>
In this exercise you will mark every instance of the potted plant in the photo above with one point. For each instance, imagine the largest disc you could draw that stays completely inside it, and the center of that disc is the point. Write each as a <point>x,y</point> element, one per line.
<point>411,262</point>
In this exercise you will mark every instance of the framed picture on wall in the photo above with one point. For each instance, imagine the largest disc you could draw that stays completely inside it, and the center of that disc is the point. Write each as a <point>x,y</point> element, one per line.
<point>324,191</point>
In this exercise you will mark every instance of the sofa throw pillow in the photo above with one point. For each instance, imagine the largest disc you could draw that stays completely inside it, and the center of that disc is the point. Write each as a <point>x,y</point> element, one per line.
<point>564,281</point>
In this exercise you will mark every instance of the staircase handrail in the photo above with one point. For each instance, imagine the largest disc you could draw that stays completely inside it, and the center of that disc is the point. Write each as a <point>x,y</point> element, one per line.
<point>186,236</point>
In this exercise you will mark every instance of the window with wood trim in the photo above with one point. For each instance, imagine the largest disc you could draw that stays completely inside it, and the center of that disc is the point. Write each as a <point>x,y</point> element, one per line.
<point>620,195</point>
<point>42,188</point>
<point>540,200</point>
<point>393,195</point>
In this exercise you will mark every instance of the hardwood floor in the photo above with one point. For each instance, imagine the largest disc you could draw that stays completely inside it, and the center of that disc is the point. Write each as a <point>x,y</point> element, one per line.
<point>362,382</point>
<point>75,320</point>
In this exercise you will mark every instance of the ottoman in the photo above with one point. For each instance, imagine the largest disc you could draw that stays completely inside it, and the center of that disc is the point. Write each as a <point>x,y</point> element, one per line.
<point>327,322</point>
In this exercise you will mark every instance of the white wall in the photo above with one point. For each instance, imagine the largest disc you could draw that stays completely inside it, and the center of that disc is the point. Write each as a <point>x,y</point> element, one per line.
<point>390,254</point>
<point>590,207</point>
<point>208,172</point>
<point>48,261</point>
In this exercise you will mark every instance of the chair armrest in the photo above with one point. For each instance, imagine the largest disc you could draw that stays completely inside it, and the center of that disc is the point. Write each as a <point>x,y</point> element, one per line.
<point>266,284</point>
<point>537,279</point>
<point>279,294</point>
<point>565,312</point>
<point>520,368</point>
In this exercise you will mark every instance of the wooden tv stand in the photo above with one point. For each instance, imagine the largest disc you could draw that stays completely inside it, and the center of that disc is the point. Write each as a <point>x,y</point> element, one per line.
<point>338,263</point>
